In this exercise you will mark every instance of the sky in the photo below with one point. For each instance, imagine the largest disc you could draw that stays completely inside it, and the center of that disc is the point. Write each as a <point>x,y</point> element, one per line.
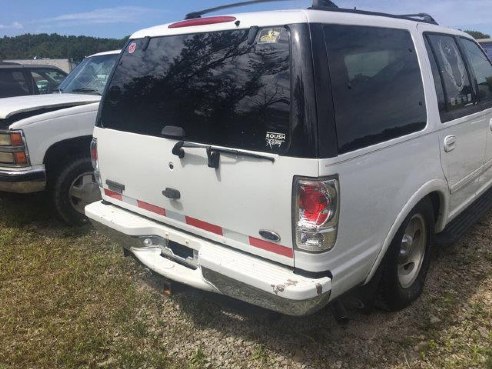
<point>119,18</point>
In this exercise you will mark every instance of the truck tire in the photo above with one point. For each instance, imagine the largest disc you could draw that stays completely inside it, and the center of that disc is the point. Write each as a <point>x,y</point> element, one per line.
<point>407,260</point>
<point>74,187</point>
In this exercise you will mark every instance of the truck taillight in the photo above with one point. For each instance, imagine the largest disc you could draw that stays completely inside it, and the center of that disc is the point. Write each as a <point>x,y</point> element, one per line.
<point>315,213</point>
<point>94,153</point>
<point>95,162</point>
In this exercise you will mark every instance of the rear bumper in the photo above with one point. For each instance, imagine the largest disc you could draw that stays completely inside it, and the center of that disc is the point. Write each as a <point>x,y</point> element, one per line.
<point>22,180</point>
<point>220,269</point>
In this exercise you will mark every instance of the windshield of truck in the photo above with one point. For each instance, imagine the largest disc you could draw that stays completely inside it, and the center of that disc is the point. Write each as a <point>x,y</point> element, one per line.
<point>90,76</point>
<point>219,87</point>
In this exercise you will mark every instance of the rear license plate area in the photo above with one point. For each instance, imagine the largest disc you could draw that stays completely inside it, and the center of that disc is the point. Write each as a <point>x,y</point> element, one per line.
<point>181,254</point>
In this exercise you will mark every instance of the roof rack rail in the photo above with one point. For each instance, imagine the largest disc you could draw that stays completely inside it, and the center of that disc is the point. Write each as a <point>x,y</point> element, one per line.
<point>326,5</point>
<point>420,17</point>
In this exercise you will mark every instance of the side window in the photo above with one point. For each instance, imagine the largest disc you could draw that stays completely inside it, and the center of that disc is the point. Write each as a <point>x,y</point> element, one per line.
<point>46,80</point>
<point>451,70</point>
<point>488,49</point>
<point>481,67</point>
<point>13,83</point>
<point>41,82</point>
<point>441,98</point>
<point>377,85</point>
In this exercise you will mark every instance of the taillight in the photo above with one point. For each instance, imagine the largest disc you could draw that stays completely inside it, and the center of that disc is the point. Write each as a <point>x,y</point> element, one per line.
<point>94,153</point>
<point>316,213</point>
<point>95,162</point>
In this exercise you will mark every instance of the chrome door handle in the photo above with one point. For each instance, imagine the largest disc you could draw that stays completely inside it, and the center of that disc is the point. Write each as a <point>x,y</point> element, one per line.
<point>449,143</point>
<point>490,124</point>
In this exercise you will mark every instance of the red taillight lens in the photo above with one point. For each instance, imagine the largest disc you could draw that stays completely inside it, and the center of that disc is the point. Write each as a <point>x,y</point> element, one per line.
<point>94,153</point>
<point>316,213</point>
<point>314,204</point>
<point>95,162</point>
<point>202,21</point>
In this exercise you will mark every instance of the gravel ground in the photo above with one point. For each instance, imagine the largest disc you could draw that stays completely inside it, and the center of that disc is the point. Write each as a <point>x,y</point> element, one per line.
<point>449,327</point>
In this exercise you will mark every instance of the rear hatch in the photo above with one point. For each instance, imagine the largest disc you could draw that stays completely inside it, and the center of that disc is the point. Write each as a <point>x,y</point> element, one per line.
<point>206,131</point>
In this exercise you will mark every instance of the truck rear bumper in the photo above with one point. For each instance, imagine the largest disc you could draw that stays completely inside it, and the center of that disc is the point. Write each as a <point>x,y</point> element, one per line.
<point>218,269</point>
<point>22,180</point>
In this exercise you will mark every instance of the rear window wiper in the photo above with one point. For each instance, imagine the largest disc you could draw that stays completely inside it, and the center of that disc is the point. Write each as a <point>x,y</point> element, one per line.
<point>213,152</point>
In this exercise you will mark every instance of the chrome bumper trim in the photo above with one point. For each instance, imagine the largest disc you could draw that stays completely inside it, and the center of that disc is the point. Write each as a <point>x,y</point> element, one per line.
<point>22,181</point>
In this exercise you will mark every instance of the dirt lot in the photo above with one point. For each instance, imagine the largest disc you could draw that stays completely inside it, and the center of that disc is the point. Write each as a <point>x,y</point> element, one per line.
<point>68,299</point>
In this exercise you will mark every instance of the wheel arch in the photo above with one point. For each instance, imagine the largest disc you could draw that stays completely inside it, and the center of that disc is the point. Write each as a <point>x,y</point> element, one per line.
<point>438,193</point>
<point>68,148</point>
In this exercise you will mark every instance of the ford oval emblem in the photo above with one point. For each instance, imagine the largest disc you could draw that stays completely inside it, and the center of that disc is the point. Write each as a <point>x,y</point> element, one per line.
<point>270,235</point>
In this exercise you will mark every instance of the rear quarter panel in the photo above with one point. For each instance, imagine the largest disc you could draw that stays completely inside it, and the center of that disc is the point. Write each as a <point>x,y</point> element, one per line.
<point>379,184</point>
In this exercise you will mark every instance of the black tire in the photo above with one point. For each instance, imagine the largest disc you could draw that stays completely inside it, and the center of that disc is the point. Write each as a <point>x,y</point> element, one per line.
<point>65,205</point>
<point>394,293</point>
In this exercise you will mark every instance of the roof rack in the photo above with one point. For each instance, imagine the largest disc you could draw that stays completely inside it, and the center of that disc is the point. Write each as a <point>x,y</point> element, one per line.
<point>326,5</point>
<point>424,17</point>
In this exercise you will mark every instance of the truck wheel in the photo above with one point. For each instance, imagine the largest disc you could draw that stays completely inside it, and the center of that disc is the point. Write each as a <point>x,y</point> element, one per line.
<point>74,188</point>
<point>407,260</point>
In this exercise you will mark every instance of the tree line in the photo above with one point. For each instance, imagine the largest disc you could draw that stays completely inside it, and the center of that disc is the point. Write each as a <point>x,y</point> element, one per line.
<point>55,46</point>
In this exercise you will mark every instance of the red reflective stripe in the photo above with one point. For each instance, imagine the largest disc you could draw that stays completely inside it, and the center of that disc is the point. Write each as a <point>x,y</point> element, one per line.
<point>202,21</point>
<point>114,195</point>
<point>152,208</point>
<point>255,242</point>
<point>204,225</point>
<point>272,247</point>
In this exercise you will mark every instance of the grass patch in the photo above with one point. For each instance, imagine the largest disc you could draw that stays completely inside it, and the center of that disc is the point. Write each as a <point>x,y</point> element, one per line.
<point>69,299</point>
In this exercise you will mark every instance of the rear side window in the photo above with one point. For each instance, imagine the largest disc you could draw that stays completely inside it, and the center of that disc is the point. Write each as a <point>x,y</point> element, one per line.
<point>377,85</point>
<point>481,69</point>
<point>219,88</point>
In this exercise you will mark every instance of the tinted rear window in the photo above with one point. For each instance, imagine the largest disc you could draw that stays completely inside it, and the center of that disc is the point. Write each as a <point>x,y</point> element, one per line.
<point>377,86</point>
<point>219,88</point>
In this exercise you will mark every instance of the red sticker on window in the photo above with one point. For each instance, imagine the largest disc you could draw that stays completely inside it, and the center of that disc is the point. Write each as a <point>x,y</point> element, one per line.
<point>132,47</point>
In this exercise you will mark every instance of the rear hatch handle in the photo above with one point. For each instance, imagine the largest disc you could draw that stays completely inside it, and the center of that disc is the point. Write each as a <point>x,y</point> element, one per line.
<point>213,152</point>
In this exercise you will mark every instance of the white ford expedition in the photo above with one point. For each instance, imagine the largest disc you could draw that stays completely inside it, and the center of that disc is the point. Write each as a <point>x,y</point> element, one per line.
<point>45,139</point>
<point>285,157</point>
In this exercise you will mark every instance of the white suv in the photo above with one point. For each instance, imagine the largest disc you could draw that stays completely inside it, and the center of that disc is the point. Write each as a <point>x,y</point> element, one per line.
<point>285,157</point>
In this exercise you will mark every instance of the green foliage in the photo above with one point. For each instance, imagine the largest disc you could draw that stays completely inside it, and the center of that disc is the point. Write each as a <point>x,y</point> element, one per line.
<point>477,34</point>
<point>55,46</point>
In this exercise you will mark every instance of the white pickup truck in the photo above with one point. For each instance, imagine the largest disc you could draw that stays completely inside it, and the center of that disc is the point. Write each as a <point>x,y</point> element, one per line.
<point>44,140</point>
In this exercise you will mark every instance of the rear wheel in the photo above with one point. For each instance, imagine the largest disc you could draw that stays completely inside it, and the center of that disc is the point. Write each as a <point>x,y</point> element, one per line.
<point>407,260</point>
<point>74,188</point>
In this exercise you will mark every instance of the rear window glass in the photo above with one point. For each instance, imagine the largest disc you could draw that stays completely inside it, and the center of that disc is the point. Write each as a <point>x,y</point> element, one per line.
<point>219,88</point>
<point>377,85</point>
